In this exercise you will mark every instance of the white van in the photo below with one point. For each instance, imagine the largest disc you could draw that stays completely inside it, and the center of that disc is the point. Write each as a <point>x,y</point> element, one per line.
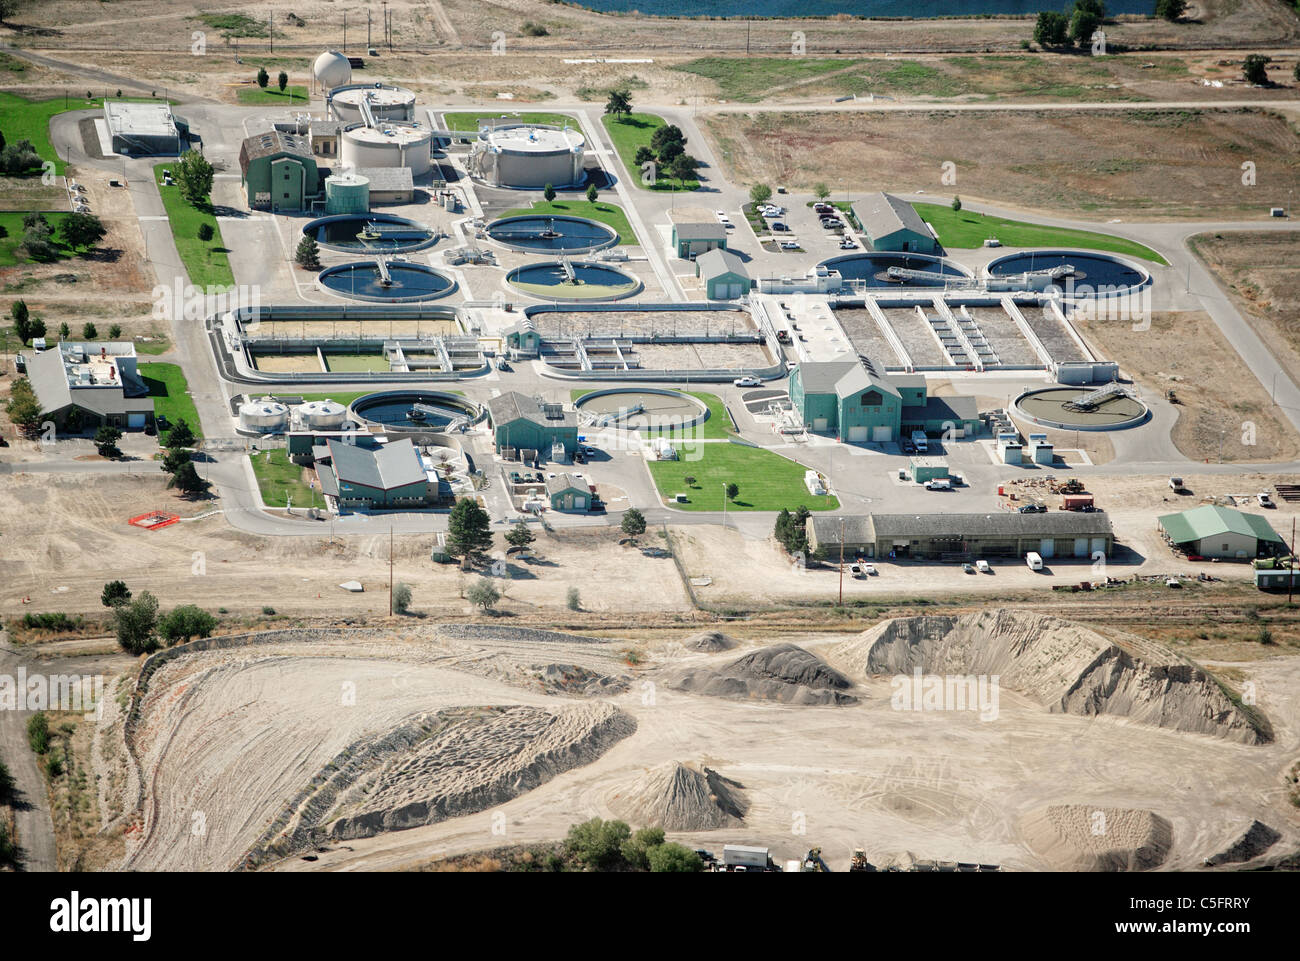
<point>919,440</point>
<point>1033,561</point>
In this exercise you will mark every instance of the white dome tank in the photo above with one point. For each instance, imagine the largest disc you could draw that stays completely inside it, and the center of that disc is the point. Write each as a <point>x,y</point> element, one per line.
<point>388,145</point>
<point>322,415</point>
<point>332,69</point>
<point>265,416</point>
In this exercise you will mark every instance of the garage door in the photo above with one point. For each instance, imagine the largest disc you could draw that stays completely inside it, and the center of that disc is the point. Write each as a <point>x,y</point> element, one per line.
<point>819,424</point>
<point>1047,548</point>
<point>857,435</point>
<point>1081,547</point>
<point>135,420</point>
<point>882,435</point>
<point>733,290</point>
<point>1098,545</point>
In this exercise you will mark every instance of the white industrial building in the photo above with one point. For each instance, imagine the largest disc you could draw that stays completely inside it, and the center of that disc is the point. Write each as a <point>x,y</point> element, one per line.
<point>144,128</point>
<point>529,156</point>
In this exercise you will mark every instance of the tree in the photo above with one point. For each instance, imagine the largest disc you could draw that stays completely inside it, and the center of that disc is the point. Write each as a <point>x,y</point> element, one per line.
<point>194,178</point>
<point>8,8</point>
<point>1052,29</point>
<point>402,597</point>
<point>6,784</point>
<point>1295,74</point>
<point>684,167</point>
<point>89,331</point>
<point>1083,24</point>
<point>134,623</point>
<point>733,491</point>
<point>469,531</point>
<point>106,439</point>
<point>644,155</point>
<point>674,858</point>
<point>597,844</point>
<point>180,435</point>
<point>73,420</point>
<point>689,480</point>
<point>35,220</point>
<point>956,203</point>
<point>483,594</point>
<point>263,78</point>
<point>182,623</point>
<point>821,191</point>
<point>1255,68</point>
<point>23,407</point>
<point>668,133</point>
<point>206,232</point>
<point>635,850</point>
<point>760,193</point>
<point>174,459</point>
<point>619,103</point>
<point>549,193</point>
<point>18,313</point>
<point>18,158</point>
<point>669,151</point>
<point>35,328</point>
<point>82,231</point>
<point>64,332</point>
<point>633,523</point>
<point>519,535</point>
<point>115,592</point>
<point>308,254</point>
<point>187,480</point>
<point>573,600</point>
<point>282,81</point>
<point>592,193</point>
<point>1171,10</point>
<point>114,331</point>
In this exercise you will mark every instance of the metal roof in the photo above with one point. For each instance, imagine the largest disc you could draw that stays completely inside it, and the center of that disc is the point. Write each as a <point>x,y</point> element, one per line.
<point>883,214</point>
<point>512,406</point>
<point>564,482</point>
<point>271,143</point>
<point>946,408</point>
<point>842,378</point>
<point>716,262</point>
<point>865,528</point>
<point>388,178</point>
<point>700,231</point>
<point>393,465</point>
<point>1210,520</point>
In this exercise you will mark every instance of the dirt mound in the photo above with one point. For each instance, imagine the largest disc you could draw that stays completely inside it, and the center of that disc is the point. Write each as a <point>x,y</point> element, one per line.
<point>1259,837</point>
<point>577,681</point>
<point>1065,666</point>
<point>678,797</point>
<point>710,642</point>
<point>1076,837</point>
<point>783,673</point>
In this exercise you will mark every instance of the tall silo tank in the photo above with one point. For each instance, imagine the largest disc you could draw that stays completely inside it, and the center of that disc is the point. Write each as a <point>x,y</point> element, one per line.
<point>347,194</point>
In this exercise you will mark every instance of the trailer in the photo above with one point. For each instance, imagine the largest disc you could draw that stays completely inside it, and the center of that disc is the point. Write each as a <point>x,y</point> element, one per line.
<point>739,856</point>
<point>1076,502</point>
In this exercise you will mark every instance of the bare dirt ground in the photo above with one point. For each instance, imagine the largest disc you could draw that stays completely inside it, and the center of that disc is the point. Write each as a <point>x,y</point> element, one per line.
<point>68,534</point>
<point>1222,406</point>
<point>1261,271</point>
<point>1157,165</point>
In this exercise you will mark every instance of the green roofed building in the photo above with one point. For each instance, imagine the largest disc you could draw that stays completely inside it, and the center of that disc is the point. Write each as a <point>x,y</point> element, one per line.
<point>521,422</point>
<point>893,224</point>
<point>279,171</point>
<point>1212,531</point>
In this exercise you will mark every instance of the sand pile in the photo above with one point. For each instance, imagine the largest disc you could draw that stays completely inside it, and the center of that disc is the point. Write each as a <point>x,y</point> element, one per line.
<point>577,681</point>
<point>709,642</point>
<point>678,797</point>
<point>783,673</point>
<point>1076,837</point>
<point>1257,839</point>
<point>1063,665</point>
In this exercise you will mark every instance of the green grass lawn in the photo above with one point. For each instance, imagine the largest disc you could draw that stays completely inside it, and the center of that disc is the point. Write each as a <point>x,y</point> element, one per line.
<point>767,481</point>
<point>170,393</point>
<point>716,427</point>
<point>208,264</point>
<point>469,121</point>
<point>634,131</point>
<point>966,229</point>
<point>277,476</point>
<point>751,78</point>
<point>606,213</point>
<point>12,222</point>
<point>272,96</point>
<point>23,119</point>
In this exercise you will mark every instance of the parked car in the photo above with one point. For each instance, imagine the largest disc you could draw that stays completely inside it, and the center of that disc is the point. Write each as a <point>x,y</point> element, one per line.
<point>789,245</point>
<point>780,225</point>
<point>747,381</point>
<point>868,569</point>
<point>1264,500</point>
<point>968,568</point>
<point>847,244</point>
<point>1034,509</point>
<point>938,484</point>
<point>983,567</point>
<point>722,214</point>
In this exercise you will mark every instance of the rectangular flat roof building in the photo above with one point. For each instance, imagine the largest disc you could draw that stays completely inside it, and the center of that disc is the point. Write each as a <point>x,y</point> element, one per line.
<point>85,386</point>
<point>956,536</point>
<point>142,128</point>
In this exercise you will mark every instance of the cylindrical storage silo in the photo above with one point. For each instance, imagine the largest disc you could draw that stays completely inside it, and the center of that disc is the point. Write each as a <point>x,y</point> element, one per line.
<point>322,415</point>
<point>347,194</point>
<point>382,102</point>
<point>528,156</point>
<point>263,416</point>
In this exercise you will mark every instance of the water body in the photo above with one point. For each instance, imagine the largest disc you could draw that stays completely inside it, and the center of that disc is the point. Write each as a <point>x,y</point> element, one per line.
<point>874,269</point>
<point>829,8</point>
<point>409,281</point>
<point>1093,270</point>
<point>552,234</point>
<point>395,412</point>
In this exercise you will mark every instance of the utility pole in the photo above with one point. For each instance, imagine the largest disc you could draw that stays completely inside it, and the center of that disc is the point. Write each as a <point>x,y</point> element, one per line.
<point>724,505</point>
<point>1290,570</point>
<point>345,31</point>
<point>367,30</point>
<point>390,570</point>
<point>270,29</point>
<point>841,601</point>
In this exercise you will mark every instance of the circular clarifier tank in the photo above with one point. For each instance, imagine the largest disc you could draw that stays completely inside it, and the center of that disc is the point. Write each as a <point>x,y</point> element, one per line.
<point>642,409</point>
<point>552,235</point>
<point>1076,273</point>
<point>1079,408</point>
<point>921,270</point>
<point>575,280</point>
<point>393,282</point>
<point>411,410</point>
<point>369,233</point>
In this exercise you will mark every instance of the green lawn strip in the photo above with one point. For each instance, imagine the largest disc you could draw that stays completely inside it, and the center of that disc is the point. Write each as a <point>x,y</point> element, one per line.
<point>12,222</point>
<point>606,213</point>
<point>716,427</point>
<point>24,119</point>
<point>208,264</point>
<point>968,229</point>
<point>767,481</point>
<point>752,78</point>
<point>633,131</point>
<point>170,391</point>
<point>277,476</point>
<point>290,96</point>
<point>469,121</point>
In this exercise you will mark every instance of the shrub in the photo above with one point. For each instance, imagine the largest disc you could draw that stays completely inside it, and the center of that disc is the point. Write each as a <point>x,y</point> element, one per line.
<point>674,858</point>
<point>598,844</point>
<point>115,592</point>
<point>89,331</point>
<point>206,232</point>
<point>483,594</point>
<point>53,766</point>
<point>134,623</point>
<point>184,622</point>
<point>38,732</point>
<point>268,611</point>
<point>402,598</point>
<point>573,599</point>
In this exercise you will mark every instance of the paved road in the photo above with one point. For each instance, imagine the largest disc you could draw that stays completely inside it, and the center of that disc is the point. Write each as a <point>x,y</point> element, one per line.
<point>35,829</point>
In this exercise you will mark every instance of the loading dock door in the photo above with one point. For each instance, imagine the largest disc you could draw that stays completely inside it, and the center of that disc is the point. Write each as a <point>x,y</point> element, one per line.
<point>882,435</point>
<point>1047,548</point>
<point>1081,547</point>
<point>857,435</point>
<point>1098,545</point>
<point>819,424</point>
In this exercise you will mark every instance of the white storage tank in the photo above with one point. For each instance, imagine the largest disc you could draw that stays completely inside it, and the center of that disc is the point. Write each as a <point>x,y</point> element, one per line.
<point>322,415</point>
<point>332,69</point>
<point>528,155</point>
<point>264,416</point>
<point>384,102</point>
<point>388,145</point>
